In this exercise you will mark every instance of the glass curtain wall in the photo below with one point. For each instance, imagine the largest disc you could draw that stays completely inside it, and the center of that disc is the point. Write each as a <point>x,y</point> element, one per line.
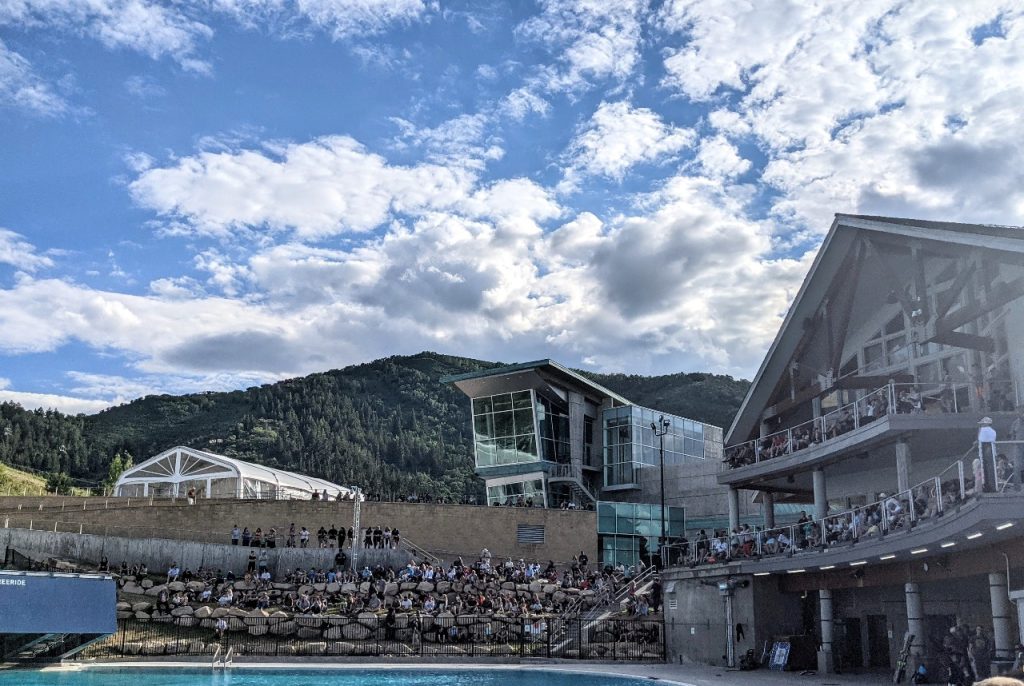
<point>630,443</point>
<point>503,429</point>
<point>553,420</point>
<point>629,532</point>
<point>529,493</point>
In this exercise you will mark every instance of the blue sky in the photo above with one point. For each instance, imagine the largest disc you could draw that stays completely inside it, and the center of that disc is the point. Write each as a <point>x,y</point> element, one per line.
<point>210,194</point>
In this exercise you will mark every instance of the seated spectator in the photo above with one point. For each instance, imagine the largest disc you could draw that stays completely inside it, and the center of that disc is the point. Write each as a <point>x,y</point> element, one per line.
<point>173,573</point>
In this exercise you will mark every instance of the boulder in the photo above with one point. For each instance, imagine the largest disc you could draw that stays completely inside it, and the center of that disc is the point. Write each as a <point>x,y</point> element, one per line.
<point>219,612</point>
<point>550,588</point>
<point>369,618</point>
<point>407,586</point>
<point>466,620</point>
<point>284,587</point>
<point>236,624</point>
<point>203,612</point>
<point>314,648</point>
<point>320,587</point>
<point>391,589</point>
<point>186,621</point>
<point>132,648</point>
<point>443,586</point>
<point>142,616</point>
<point>306,632</point>
<point>146,583</point>
<point>138,607</point>
<point>340,648</point>
<point>536,587</point>
<point>123,607</point>
<point>124,614</point>
<point>183,611</point>
<point>364,587</point>
<point>152,648</point>
<point>425,587</point>
<point>349,587</point>
<point>283,628</point>
<point>278,614</point>
<point>237,612</point>
<point>356,632</point>
<point>195,586</point>
<point>309,621</point>
<point>176,586</point>
<point>258,629</point>
<point>155,590</point>
<point>132,589</point>
<point>306,588</point>
<point>332,588</point>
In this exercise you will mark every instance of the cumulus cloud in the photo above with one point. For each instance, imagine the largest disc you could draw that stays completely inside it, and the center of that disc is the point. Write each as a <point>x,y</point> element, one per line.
<point>857,106</point>
<point>324,187</point>
<point>51,401</point>
<point>619,136</point>
<point>593,40</point>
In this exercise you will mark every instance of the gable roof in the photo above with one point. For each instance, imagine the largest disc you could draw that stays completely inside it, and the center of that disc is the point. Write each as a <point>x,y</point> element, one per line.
<point>546,365</point>
<point>827,267</point>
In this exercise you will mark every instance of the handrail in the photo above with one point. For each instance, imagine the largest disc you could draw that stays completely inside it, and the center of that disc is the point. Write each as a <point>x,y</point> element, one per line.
<point>216,656</point>
<point>898,511</point>
<point>421,552</point>
<point>892,398</point>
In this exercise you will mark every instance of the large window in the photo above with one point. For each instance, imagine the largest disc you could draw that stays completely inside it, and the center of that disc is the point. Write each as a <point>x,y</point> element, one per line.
<point>503,429</point>
<point>528,493</point>
<point>553,420</point>
<point>631,443</point>
<point>630,532</point>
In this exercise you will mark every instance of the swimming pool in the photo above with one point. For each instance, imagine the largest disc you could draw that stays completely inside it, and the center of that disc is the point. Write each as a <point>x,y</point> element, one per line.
<point>306,677</point>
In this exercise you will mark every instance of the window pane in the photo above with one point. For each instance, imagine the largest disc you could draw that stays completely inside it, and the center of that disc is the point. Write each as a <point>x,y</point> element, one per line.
<point>503,425</point>
<point>522,399</point>
<point>483,425</point>
<point>481,405</point>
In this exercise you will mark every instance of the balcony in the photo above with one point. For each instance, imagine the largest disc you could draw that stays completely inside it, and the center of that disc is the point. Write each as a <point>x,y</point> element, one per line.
<point>970,503</point>
<point>872,418</point>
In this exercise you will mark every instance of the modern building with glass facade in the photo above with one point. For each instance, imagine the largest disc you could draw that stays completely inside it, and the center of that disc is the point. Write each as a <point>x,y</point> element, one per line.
<point>547,436</point>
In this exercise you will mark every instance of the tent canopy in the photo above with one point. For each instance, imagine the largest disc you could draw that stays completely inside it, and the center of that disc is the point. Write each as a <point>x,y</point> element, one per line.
<point>175,471</point>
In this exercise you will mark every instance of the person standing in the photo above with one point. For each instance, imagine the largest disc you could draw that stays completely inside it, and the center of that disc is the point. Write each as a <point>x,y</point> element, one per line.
<point>236,535</point>
<point>984,465</point>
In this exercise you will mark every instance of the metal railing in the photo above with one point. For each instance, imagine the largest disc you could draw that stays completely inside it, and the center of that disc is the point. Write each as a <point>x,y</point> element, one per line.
<point>976,472</point>
<point>377,636</point>
<point>893,398</point>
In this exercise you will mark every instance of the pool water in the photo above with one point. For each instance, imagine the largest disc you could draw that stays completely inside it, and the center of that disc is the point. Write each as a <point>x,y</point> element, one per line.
<point>298,677</point>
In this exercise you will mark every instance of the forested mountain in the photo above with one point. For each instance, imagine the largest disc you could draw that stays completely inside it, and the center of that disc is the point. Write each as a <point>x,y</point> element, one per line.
<point>387,425</point>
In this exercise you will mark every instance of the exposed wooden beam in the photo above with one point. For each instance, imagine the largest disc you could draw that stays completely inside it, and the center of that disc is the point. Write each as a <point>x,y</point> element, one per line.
<point>946,298</point>
<point>889,275</point>
<point>843,316</point>
<point>1000,294</point>
<point>958,339</point>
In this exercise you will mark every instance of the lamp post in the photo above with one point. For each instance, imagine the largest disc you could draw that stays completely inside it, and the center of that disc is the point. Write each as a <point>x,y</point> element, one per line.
<point>660,428</point>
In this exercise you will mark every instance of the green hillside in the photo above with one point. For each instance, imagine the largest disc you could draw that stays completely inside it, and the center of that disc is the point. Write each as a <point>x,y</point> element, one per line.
<point>387,425</point>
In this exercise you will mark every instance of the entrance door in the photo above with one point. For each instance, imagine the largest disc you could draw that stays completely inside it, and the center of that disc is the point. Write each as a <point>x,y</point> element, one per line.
<point>935,628</point>
<point>878,641</point>
<point>848,644</point>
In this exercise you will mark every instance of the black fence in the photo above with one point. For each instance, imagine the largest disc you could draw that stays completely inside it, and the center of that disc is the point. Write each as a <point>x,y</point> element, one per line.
<point>408,635</point>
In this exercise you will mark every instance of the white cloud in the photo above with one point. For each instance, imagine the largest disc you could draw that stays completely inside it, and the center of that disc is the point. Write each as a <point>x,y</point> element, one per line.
<point>463,140</point>
<point>19,253</point>
<point>618,137</point>
<point>720,158</point>
<point>594,40</point>
<point>521,102</point>
<point>342,19</point>
<point>324,187</point>
<point>22,88</point>
<point>48,401</point>
<point>146,27</point>
<point>858,105</point>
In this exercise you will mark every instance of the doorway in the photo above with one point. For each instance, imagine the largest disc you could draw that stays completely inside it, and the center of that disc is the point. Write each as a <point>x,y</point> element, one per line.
<point>849,647</point>
<point>878,641</point>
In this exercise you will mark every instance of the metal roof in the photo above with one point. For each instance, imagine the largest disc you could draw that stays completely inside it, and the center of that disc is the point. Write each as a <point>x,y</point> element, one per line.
<point>547,365</point>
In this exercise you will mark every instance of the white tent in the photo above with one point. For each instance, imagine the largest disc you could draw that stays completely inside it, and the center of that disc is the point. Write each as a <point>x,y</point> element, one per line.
<point>173,472</point>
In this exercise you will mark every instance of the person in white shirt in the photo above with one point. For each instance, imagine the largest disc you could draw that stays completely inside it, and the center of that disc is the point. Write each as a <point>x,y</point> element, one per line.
<point>986,436</point>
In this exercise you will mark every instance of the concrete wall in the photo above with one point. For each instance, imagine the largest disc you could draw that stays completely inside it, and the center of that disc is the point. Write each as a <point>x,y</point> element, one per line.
<point>696,630</point>
<point>158,554</point>
<point>445,530</point>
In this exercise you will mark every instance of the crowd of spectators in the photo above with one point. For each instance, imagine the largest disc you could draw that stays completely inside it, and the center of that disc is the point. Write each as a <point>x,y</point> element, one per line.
<point>302,537</point>
<point>484,587</point>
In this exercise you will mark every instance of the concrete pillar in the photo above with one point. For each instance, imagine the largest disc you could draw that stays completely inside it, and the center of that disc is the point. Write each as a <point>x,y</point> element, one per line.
<point>1001,621</point>
<point>1018,600</point>
<point>576,414</point>
<point>915,625</point>
<point>826,663</point>
<point>769,509</point>
<point>820,495</point>
<point>902,465</point>
<point>734,508</point>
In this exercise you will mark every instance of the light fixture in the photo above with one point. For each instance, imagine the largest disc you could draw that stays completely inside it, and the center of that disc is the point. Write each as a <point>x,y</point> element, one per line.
<point>948,544</point>
<point>827,567</point>
<point>761,573</point>
<point>887,557</point>
<point>1007,525</point>
<point>918,551</point>
<point>858,563</point>
<point>976,534</point>
<point>795,571</point>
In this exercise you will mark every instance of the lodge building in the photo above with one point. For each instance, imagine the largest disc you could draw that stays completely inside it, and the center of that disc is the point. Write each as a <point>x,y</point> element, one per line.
<point>903,342</point>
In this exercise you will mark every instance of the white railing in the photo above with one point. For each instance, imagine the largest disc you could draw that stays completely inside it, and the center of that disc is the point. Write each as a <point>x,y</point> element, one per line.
<point>974,474</point>
<point>893,398</point>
